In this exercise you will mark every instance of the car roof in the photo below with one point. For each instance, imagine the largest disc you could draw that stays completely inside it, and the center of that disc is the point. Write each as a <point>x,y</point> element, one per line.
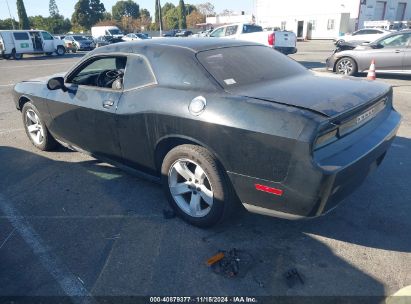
<point>193,44</point>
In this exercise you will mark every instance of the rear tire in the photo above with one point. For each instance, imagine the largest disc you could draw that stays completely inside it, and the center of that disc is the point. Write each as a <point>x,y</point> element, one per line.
<point>36,129</point>
<point>16,56</point>
<point>60,50</point>
<point>346,66</point>
<point>196,186</point>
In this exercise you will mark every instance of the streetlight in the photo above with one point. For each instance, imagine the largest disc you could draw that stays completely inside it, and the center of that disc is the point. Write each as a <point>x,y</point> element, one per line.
<point>159,17</point>
<point>12,20</point>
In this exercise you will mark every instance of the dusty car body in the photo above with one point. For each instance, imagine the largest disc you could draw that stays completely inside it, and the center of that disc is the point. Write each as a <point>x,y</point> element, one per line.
<point>285,141</point>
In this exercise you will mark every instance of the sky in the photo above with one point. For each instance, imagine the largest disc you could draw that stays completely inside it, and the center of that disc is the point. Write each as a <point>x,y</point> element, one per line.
<point>66,7</point>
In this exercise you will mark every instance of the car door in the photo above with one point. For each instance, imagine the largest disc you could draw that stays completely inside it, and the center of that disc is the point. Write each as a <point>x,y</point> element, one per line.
<point>22,42</point>
<point>83,115</point>
<point>389,52</point>
<point>48,42</point>
<point>407,58</point>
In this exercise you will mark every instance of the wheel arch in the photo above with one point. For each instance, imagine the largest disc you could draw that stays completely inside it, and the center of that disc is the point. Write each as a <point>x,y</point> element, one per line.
<point>169,142</point>
<point>22,101</point>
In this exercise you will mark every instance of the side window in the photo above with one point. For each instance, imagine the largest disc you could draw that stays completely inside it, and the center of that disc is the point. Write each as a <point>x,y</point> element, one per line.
<point>101,72</point>
<point>252,29</point>
<point>396,41</point>
<point>138,73</point>
<point>21,36</point>
<point>231,30</point>
<point>218,32</point>
<point>46,36</point>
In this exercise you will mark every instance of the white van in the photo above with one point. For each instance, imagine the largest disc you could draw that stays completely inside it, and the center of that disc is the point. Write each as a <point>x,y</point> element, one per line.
<point>113,31</point>
<point>16,43</point>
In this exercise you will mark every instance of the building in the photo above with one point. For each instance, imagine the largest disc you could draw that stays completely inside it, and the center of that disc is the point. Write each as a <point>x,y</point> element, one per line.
<point>326,19</point>
<point>227,19</point>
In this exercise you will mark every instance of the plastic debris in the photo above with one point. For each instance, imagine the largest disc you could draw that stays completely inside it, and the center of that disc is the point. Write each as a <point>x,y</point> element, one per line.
<point>229,263</point>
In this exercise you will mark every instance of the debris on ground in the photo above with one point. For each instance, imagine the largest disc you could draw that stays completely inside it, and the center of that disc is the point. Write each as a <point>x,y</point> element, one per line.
<point>293,277</point>
<point>229,263</point>
<point>169,214</point>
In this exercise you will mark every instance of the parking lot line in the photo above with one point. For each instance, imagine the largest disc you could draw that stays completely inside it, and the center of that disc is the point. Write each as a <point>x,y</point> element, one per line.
<point>67,281</point>
<point>7,85</point>
<point>7,238</point>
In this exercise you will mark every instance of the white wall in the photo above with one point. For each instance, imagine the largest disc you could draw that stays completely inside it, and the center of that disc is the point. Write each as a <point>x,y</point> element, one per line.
<point>270,13</point>
<point>367,11</point>
<point>230,19</point>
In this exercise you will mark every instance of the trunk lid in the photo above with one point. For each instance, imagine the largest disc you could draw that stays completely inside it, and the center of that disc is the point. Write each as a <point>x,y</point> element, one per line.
<point>328,95</point>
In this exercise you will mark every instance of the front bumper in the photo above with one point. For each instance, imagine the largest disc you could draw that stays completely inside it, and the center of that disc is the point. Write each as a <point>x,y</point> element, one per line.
<point>330,63</point>
<point>333,176</point>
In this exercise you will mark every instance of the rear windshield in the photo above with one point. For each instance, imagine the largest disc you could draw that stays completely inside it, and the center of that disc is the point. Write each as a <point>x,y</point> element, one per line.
<point>248,28</point>
<point>245,65</point>
<point>79,38</point>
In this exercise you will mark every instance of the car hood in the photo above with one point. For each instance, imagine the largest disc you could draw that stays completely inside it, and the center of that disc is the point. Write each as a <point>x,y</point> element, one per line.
<point>328,95</point>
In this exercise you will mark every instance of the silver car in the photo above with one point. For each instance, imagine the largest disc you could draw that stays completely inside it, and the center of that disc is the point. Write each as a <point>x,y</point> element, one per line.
<point>392,54</point>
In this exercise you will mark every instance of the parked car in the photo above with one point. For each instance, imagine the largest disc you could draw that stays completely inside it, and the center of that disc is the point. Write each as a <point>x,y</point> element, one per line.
<point>80,42</point>
<point>283,41</point>
<point>286,141</point>
<point>363,35</point>
<point>112,31</point>
<point>184,33</point>
<point>391,54</point>
<point>106,40</point>
<point>171,33</point>
<point>135,36</point>
<point>15,43</point>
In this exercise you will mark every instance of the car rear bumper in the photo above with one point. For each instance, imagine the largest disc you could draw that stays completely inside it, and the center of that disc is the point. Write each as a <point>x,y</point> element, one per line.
<point>332,177</point>
<point>286,50</point>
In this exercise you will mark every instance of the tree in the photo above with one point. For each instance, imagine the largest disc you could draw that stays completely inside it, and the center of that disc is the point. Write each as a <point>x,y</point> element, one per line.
<point>144,13</point>
<point>195,18</point>
<point>125,9</point>
<point>182,22</point>
<point>207,9</point>
<point>24,23</point>
<point>87,13</point>
<point>7,24</point>
<point>171,19</point>
<point>53,9</point>
<point>166,7</point>
<point>190,8</point>
<point>227,12</point>
<point>56,25</point>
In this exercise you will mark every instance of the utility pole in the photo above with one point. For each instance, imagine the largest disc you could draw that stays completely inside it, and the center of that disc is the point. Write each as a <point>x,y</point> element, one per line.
<point>12,20</point>
<point>159,18</point>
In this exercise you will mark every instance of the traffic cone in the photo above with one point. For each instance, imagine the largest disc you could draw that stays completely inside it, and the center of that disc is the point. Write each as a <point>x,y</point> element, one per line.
<point>371,72</point>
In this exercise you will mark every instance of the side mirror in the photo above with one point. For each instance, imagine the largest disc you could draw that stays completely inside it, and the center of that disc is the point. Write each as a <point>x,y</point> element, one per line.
<point>377,46</point>
<point>56,83</point>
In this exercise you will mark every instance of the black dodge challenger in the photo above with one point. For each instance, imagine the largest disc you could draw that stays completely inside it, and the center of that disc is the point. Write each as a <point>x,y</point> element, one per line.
<point>218,122</point>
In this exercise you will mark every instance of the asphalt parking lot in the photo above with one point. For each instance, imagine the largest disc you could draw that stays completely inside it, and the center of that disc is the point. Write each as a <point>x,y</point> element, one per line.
<point>71,225</point>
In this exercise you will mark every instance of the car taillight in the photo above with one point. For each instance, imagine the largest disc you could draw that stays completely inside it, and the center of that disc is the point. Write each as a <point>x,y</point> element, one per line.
<point>271,39</point>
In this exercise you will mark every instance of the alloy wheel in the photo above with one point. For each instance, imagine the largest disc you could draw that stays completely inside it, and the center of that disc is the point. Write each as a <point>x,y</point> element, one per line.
<point>34,127</point>
<point>190,188</point>
<point>345,67</point>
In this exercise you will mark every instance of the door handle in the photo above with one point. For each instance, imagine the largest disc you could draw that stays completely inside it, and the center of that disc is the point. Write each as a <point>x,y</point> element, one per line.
<point>108,103</point>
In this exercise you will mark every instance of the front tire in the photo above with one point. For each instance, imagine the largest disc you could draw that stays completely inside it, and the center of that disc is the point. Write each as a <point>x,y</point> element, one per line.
<point>60,50</point>
<point>196,186</point>
<point>346,66</point>
<point>36,130</point>
<point>16,56</point>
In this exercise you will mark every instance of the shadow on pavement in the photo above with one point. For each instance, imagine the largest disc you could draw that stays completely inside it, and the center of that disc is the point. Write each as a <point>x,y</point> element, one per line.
<point>107,229</point>
<point>312,64</point>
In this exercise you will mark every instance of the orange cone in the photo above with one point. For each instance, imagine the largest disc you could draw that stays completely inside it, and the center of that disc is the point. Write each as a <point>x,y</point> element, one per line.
<point>371,72</point>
